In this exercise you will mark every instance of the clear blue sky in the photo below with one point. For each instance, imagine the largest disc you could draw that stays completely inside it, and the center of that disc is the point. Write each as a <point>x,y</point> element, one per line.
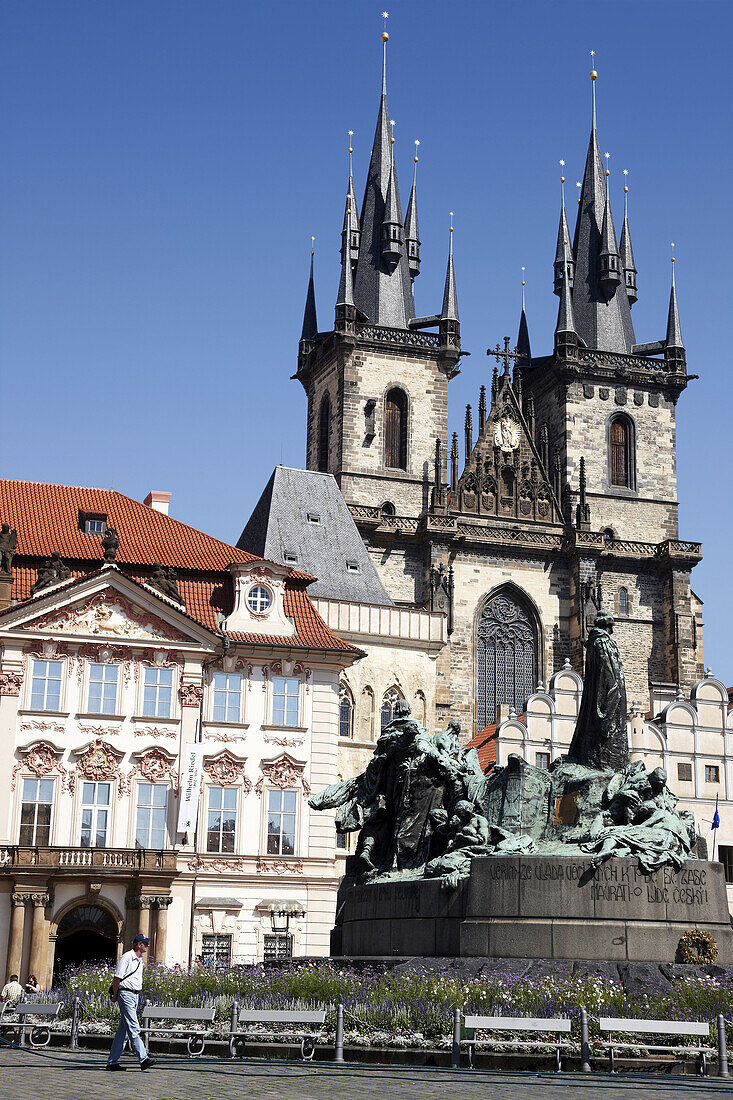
<point>165,162</point>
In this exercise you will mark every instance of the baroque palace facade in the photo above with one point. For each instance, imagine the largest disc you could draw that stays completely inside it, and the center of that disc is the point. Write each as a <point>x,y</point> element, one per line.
<point>128,637</point>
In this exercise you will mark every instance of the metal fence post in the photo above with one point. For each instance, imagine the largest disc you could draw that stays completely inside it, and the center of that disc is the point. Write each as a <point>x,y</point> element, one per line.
<point>233,1022</point>
<point>456,1051</point>
<point>722,1049</point>
<point>75,1023</point>
<point>584,1044</point>
<point>338,1052</point>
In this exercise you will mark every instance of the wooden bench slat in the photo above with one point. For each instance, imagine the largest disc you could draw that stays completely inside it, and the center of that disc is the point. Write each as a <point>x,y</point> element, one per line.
<point>169,1012</point>
<point>517,1023</point>
<point>654,1027</point>
<point>37,1010</point>
<point>281,1016</point>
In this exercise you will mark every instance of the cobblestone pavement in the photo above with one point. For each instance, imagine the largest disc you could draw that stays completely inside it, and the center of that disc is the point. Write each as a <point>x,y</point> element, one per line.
<point>61,1075</point>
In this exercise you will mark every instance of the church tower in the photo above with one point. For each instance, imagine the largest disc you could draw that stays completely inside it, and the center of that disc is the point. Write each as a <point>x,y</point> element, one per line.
<point>377,382</point>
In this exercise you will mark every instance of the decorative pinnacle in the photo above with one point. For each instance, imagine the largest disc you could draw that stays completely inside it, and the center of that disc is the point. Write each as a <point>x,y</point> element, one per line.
<point>626,192</point>
<point>562,183</point>
<point>523,290</point>
<point>414,163</point>
<point>385,17</point>
<point>313,245</point>
<point>385,40</point>
<point>392,122</point>
<point>672,260</point>
<point>578,184</point>
<point>417,143</point>
<point>593,78</point>
<point>351,150</point>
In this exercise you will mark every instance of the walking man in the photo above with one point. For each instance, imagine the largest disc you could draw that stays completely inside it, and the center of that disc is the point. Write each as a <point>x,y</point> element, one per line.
<point>125,990</point>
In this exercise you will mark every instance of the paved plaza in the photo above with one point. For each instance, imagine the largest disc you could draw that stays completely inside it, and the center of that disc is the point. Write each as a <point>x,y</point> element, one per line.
<point>64,1074</point>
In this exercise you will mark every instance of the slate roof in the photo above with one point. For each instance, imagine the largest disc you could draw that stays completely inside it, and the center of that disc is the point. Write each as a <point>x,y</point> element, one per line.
<point>279,526</point>
<point>47,519</point>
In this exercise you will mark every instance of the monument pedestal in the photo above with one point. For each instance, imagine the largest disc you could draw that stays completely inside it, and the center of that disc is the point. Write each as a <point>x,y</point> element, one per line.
<point>549,907</point>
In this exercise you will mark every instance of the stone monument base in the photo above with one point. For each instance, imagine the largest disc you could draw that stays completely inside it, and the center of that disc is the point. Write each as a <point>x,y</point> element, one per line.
<point>539,907</point>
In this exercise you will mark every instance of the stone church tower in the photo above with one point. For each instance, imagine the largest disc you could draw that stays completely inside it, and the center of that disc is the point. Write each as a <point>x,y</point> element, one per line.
<point>565,499</point>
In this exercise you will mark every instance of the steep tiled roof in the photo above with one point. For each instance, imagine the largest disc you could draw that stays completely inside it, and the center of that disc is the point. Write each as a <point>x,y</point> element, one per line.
<point>485,745</point>
<point>46,518</point>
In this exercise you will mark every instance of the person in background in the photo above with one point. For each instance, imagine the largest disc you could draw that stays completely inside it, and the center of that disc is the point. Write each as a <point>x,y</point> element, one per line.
<point>125,992</point>
<point>32,986</point>
<point>12,991</point>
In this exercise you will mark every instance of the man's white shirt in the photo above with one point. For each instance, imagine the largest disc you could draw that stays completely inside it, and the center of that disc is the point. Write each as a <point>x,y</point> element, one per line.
<point>129,970</point>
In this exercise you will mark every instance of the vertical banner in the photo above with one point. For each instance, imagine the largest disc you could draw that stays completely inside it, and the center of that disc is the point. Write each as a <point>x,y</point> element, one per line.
<point>193,756</point>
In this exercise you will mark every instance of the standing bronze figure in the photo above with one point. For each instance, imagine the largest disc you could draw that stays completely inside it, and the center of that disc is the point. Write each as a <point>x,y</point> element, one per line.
<point>600,739</point>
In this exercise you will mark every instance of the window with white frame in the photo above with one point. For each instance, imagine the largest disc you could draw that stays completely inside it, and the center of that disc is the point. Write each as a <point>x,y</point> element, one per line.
<point>227,704</point>
<point>46,685</point>
<point>259,599</point>
<point>35,811</point>
<point>152,805</point>
<point>157,692</point>
<point>277,946</point>
<point>285,701</point>
<point>221,819</point>
<point>102,689</point>
<point>216,950</point>
<point>281,814</point>
<point>95,799</point>
<point>542,760</point>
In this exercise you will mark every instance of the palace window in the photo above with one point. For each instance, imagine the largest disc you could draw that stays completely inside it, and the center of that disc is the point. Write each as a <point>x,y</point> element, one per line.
<point>622,452</point>
<point>227,697</point>
<point>94,524</point>
<point>542,760</point>
<point>285,701</point>
<point>94,814</point>
<point>35,812</point>
<point>216,951</point>
<point>152,805</point>
<point>259,599</point>
<point>324,432</point>
<point>346,712</point>
<point>46,685</point>
<point>221,821</point>
<point>395,430</point>
<point>341,841</point>
<point>281,813</point>
<point>684,773</point>
<point>102,689</point>
<point>623,601</point>
<point>277,947</point>
<point>157,692</point>
<point>725,856</point>
<point>712,773</point>
<point>389,701</point>
<point>506,656</point>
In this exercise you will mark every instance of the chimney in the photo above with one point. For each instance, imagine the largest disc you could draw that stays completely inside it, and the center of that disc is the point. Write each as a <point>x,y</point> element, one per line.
<point>158,501</point>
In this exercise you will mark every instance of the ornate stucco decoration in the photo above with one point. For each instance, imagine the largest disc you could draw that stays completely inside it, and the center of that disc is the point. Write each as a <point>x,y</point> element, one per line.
<point>99,762</point>
<point>11,683</point>
<point>40,757</point>
<point>108,613</point>
<point>280,866</point>
<point>506,434</point>
<point>227,770</point>
<point>284,773</point>
<point>156,765</point>
<point>105,654</point>
<point>286,668</point>
<point>148,731</point>
<point>217,865</point>
<point>191,695</point>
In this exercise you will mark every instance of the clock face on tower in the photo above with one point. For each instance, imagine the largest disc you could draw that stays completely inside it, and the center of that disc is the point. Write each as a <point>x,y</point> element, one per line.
<point>506,434</point>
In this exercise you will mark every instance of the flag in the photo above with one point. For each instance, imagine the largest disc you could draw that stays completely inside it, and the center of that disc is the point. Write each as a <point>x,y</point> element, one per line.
<point>716,815</point>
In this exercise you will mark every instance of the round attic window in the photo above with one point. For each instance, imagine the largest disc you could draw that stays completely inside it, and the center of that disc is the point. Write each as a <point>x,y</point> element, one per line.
<point>259,599</point>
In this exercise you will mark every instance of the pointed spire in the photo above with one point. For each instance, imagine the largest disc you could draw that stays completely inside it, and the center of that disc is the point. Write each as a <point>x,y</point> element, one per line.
<point>674,331</point>
<point>625,249</point>
<point>310,322</point>
<point>494,385</point>
<point>454,464</point>
<point>350,240</point>
<point>382,290</point>
<point>468,429</point>
<point>393,233</point>
<point>524,352</point>
<point>346,284</point>
<point>565,333</point>
<point>482,411</point>
<point>450,297</point>
<point>563,239</point>
<point>602,317</point>
<point>412,233</point>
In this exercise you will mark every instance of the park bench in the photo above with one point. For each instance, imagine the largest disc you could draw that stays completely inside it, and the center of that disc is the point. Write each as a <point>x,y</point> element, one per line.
<point>560,1026</point>
<point>613,1026</point>
<point>40,1035</point>
<point>195,1041</point>
<point>237,1038</point>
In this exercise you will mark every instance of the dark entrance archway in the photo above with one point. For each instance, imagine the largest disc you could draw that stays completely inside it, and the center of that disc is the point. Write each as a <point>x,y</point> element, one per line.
<point>86,935</point>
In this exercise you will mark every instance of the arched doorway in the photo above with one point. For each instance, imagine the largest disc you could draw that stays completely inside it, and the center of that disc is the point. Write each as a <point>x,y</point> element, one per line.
<point>86,934</point>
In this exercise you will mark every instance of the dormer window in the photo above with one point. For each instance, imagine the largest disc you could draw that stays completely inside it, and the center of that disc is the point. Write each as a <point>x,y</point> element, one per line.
<point>352,566</point>
<point>313,517</point>
<point>289,558</point>
<point>93,523</point>
<point>259,599</point>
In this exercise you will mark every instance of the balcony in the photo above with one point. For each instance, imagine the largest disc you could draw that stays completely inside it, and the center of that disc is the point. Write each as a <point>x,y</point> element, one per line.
<point>58,859</point>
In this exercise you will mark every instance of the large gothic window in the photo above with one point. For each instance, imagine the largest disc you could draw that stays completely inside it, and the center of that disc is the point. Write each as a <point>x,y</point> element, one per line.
<point>395,430</point>
<point>622,452</point>
<point>389,701</point>
<point>506,650</point>
<point>324,432</point>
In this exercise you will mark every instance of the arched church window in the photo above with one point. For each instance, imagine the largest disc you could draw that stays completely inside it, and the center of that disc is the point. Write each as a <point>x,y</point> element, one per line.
<point>622,452</point>
<point>390,699</point>
<point>346,712</point>
<point>324,432</point>
<point>623,601</point>
<point>506,654</point>
<point>395,430</point>
<point>387,510</point>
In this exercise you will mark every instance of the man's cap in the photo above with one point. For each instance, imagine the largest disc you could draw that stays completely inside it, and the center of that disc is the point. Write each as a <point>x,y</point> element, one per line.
<point>140,938</point>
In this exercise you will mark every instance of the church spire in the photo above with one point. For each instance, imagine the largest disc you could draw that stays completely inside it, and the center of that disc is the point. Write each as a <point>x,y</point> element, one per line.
<point>412,233</point>
<point>602,316</point>
<point>450,297</point>
<point>625,249</point>
<point>350,240</point>
<point>563,240</point>
<point>393,242</point>
<point>346,283</point>
<point>566,336</point>
<point>674,331</point>
<point>310,322</point>
<point>524,352</point>
<point>382,284</point>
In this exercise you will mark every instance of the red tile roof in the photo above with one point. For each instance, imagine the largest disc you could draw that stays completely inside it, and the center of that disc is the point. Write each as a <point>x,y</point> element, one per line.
<point>485,744</point>
<point>46,518</point>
